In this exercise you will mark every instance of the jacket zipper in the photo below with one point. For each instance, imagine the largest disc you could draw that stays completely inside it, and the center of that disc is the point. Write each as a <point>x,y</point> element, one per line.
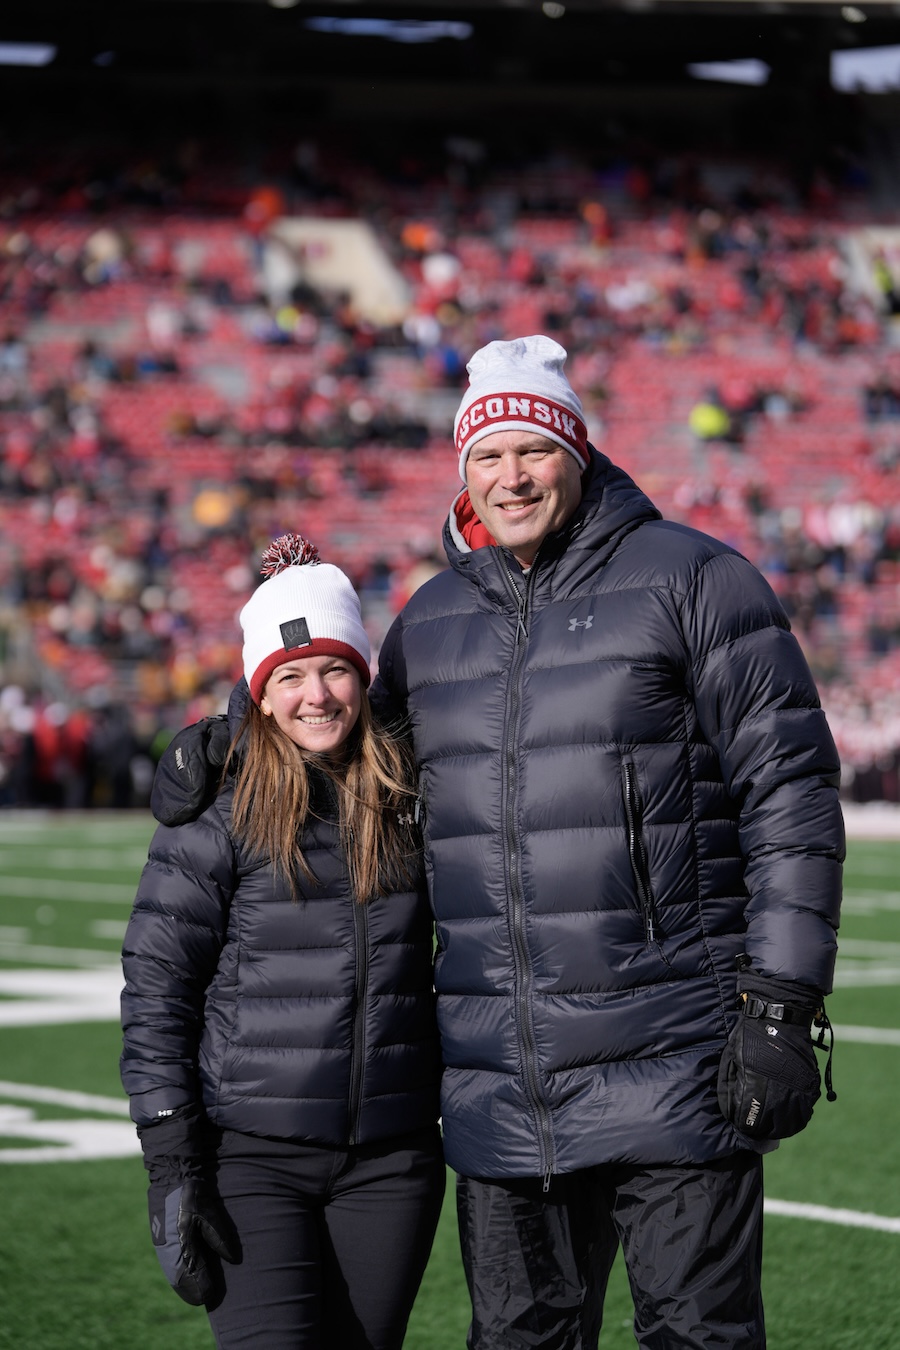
<point>358,1034</point>
<point>637,849</point>
<point>524,975</point>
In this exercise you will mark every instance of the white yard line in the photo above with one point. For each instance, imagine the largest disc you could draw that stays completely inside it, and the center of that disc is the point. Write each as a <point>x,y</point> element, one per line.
<point>34,998</point>
<point>77,1101</point>
<point>64,1140</point>
<point>872,820</point>
<point>75,1140</point>
<point>27,954</point>
<point>870,902</point>
<point>38,888</point>
<point>26,829</point>
<point>69,859</point>
<point>850,1218</point>
<point>868,1035</point>
<point>868,947</point>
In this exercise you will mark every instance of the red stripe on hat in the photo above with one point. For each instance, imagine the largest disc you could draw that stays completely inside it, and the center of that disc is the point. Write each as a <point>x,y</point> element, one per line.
<point>318,647</point>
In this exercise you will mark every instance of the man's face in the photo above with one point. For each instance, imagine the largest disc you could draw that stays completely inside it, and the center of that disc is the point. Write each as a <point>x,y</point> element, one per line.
<point>523,487</point>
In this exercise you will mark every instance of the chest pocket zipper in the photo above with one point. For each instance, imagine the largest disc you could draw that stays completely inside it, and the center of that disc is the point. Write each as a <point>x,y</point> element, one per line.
<point>637,849</point>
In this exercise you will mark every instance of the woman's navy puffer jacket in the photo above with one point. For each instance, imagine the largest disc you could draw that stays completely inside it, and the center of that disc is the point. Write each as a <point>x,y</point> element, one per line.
<point>628,781</point>
<point>308,1020</point>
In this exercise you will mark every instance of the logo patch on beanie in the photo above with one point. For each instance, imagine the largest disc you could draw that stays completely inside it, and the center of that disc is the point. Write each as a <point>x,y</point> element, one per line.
<point>295,633</point>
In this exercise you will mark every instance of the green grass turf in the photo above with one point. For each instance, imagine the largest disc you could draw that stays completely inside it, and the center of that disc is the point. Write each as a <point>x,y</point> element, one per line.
<point>77,1270</point>
<point>79,1057</point>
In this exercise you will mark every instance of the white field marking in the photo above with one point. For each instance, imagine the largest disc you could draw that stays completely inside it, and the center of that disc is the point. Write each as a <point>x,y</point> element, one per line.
<point>114,929</point>
<point>851,974</point>
<point>33,827</point>
<point>866,963</point>
<point>32,998</point>
<point>25,953</point>
<point>75,1101</point>
<point>872,820</point>
<point>870,902</point>
<point>15,935</point>
<point>64,1140</point>
<point>851,1218</point>
<point>37,888</point>
<point>868,1035</point>
<point>868,947</point>
<point>65,859</point>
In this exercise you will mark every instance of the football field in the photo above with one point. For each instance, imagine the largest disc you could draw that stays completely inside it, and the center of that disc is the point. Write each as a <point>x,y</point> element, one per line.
<point>77,1270</point>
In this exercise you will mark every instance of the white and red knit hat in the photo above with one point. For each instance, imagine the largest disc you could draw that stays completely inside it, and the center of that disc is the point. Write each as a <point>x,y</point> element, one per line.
<point>305,608</point>
<point>520,385</point>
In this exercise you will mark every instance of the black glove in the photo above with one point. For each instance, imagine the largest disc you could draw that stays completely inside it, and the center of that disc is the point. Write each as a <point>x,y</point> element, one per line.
<point>768,1076</point>
<point>188,1222</point>
<point>188,772</point>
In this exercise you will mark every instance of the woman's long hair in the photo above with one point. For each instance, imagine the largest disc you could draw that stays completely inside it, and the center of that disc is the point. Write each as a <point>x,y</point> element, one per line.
<point>374,783</point>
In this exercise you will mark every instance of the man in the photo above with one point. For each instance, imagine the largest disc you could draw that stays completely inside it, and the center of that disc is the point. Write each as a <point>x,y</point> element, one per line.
<point>630,806</point>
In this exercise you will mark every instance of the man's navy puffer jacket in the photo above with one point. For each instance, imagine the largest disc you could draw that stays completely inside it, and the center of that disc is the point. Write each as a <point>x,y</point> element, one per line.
<point>628,781</point>
<point>308,1020</point>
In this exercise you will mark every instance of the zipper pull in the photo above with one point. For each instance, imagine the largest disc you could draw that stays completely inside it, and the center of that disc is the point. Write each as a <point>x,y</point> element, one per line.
<point>520,592</point>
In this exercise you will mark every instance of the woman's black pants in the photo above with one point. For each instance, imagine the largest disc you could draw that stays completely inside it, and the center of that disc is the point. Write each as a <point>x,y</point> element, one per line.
<point>334,1242</point>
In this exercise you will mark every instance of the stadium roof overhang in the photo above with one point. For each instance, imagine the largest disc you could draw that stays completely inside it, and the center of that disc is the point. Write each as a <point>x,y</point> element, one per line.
<point>418,55</point>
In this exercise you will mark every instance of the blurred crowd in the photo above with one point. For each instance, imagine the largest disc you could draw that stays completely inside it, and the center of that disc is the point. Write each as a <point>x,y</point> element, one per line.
<point>178,385</point>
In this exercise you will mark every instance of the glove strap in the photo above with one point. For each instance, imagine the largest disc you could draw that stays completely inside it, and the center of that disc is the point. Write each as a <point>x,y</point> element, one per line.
<point>754,1006</point>
<point>822,1021</point>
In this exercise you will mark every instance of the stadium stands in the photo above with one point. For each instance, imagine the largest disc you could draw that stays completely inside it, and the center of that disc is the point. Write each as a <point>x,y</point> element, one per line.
<point>163,415</point>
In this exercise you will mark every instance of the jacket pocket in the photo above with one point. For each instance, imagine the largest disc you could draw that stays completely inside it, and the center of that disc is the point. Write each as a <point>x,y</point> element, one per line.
<point>637,849</point>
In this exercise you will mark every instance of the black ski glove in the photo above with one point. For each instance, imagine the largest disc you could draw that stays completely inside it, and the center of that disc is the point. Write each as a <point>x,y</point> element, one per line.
<point>190,1228</point>
<point>768,1076</point>
<point>187,775</point>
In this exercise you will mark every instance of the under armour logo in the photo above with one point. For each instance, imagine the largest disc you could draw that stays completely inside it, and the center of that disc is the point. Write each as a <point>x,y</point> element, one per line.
<point>581,623</point>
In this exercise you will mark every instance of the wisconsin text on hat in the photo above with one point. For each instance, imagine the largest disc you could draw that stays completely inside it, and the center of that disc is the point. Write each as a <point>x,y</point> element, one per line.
<point>518,407</point>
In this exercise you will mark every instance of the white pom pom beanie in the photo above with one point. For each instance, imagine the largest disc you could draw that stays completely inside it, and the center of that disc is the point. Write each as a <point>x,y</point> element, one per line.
<point>305,608</point>
<point>520,385</point>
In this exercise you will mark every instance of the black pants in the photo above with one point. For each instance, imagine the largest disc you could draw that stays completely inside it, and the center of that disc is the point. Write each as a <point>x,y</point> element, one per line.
<point>538,1263</point>
<point>334,1242</point>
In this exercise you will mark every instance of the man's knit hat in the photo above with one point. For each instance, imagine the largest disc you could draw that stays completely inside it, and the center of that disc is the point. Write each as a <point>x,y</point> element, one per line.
<point>520,385</point>
<point>305,608</point>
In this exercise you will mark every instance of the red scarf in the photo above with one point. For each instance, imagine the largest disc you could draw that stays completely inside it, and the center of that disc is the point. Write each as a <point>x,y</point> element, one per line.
<point>470,527</point>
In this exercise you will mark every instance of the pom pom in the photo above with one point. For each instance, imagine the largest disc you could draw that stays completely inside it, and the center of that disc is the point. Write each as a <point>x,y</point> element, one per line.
<point>289,550</point>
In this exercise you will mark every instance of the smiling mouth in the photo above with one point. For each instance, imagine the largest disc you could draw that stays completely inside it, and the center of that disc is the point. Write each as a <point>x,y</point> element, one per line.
<point>318,721</point>
<point>518,505</point>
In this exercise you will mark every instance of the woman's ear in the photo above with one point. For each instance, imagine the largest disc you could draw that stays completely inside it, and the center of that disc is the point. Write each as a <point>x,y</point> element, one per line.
<point>265,707</point>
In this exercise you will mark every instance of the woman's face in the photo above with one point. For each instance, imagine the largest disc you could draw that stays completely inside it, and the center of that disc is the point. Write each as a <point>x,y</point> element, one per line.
<point>315,701</point>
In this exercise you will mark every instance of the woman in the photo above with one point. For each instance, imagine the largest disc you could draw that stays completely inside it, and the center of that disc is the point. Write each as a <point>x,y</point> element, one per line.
<point>280,1049</point>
